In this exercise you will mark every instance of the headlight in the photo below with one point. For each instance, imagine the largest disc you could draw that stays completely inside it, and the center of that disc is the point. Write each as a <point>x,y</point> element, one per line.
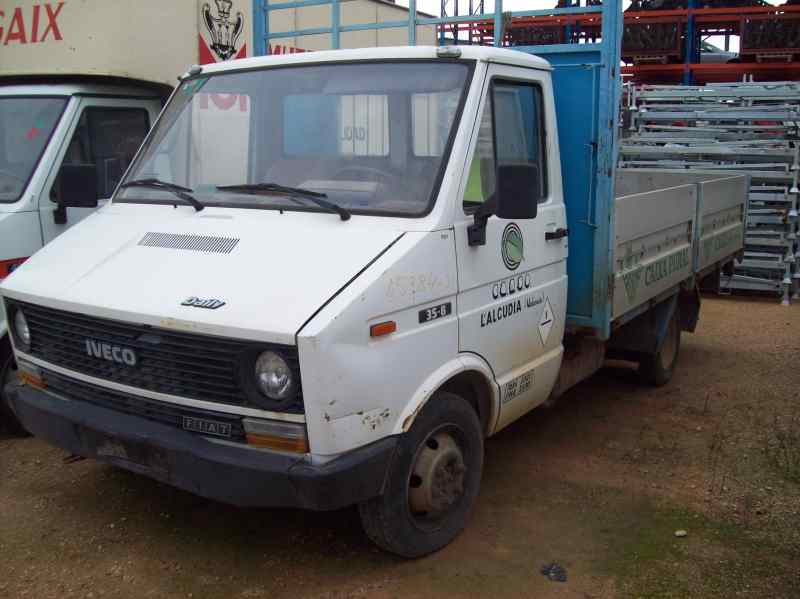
<point>274,378</point>
<point>21,331</point>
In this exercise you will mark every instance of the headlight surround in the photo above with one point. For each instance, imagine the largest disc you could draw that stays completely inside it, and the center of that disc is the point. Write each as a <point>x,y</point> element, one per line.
<point>274,377</point>
<point>22,332</point>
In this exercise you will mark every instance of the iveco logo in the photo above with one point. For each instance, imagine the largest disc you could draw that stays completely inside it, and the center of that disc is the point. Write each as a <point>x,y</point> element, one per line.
<point>112,353</point>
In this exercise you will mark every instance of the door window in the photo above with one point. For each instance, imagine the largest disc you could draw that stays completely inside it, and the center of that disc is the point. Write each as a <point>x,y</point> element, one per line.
<point>511,131</point>
<point>107,138</point>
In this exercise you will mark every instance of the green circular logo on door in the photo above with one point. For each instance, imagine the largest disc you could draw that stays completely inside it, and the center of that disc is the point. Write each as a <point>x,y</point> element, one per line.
<point>511,246</point>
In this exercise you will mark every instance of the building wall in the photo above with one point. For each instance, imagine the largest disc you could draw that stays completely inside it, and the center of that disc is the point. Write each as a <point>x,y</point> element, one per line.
<point>353,12</point>
<point>147,39</point>
<point>151,40</point>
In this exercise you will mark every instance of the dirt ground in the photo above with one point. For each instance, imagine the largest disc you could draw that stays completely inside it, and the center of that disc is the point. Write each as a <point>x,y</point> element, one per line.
<point>599,483</point>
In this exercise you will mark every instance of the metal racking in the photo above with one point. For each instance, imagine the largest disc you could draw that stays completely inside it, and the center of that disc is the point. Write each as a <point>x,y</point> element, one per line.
<point>746,127</point>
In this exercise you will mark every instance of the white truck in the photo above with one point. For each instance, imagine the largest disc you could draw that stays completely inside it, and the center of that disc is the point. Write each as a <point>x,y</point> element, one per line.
<point>79,88</point>
<point>333,295</point>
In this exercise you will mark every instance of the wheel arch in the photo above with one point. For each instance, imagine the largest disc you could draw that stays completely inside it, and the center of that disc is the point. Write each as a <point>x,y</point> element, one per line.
<point>468,376</point>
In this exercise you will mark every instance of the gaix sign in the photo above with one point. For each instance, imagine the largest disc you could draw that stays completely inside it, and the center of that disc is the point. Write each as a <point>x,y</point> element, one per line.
<point>39,23</point>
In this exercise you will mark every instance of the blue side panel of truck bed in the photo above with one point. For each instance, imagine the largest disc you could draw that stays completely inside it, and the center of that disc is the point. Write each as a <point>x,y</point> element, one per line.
<point>575,83</point>
<point>586,89</point>
<point>586,85</point>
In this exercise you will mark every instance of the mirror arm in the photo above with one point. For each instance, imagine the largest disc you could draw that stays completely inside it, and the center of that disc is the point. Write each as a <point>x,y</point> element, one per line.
<point>476,232</point>
<point>60,214</point>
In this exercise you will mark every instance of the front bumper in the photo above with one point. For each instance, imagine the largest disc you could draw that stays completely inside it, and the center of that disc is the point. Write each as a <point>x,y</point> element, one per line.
<point>237,475</point>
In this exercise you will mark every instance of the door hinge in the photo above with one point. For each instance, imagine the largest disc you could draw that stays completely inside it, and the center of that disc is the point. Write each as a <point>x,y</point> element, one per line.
<point>611,288</point>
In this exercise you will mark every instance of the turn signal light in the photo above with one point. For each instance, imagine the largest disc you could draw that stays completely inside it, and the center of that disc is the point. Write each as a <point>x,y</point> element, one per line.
<point>280,436</point>
<point>278,443</point>
<point>31,380</point>
<point>30,374</point>
<point>382,328</point>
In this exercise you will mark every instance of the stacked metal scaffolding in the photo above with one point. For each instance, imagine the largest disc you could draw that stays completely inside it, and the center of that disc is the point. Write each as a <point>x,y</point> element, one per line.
<point>745,127</point>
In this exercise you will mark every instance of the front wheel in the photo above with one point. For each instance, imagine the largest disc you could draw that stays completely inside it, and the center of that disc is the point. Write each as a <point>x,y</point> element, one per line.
<point>657,369</point>
<point>432,483</point>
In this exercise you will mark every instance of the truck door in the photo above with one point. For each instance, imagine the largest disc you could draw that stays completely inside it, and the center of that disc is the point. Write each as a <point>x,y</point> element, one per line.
<point>105,132</point>
<point>512,290</point>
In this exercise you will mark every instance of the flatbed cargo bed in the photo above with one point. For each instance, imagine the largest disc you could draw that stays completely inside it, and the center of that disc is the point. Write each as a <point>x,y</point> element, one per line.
<point>669,227</point>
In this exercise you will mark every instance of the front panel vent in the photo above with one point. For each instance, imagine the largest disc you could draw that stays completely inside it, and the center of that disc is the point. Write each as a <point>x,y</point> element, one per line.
<point>195,243</point>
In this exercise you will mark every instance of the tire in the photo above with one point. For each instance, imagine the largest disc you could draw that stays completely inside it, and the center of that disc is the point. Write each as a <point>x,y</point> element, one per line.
<point>432,483</point>
<point>657,369</point>
<point>8,421</point>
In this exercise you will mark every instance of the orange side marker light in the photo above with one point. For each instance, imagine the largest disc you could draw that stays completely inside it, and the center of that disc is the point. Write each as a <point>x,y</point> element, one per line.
<point>383,328</point>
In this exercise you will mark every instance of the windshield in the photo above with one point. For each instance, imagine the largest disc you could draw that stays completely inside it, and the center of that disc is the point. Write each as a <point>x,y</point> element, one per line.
<point>25,125</point>
<point>371,136</point>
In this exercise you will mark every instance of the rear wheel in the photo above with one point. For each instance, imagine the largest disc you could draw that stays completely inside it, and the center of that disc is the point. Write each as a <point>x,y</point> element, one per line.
<point>657,369</point>
<point>432,483</point>
<point>8,374</point>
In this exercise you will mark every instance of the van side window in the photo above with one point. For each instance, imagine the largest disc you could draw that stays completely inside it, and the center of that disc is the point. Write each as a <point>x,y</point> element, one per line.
<point>107,138</point>
<point>511,132</point>
<point>480,182</point>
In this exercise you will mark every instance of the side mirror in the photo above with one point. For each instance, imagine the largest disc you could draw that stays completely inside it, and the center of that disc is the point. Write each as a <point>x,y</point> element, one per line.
<point>77,186</point>
<point>516,186</point>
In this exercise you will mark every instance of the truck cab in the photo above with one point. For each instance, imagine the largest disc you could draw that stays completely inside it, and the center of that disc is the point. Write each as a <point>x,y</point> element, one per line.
<point>60,140</point>
<point>334,293</point>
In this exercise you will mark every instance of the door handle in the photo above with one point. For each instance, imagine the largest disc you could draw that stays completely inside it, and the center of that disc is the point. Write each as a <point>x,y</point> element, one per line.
<point>559,233</point>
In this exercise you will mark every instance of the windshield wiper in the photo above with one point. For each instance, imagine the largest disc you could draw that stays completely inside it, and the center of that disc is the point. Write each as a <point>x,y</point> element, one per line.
<point>184,193</point>
<point>293,192</point>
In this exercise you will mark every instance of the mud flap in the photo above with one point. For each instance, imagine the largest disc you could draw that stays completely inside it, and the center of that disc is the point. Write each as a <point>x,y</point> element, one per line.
<point>645,334</point>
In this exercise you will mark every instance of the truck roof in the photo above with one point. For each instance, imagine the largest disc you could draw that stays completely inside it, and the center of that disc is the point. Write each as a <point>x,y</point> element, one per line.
<point>66,87</point>
<point>480,53</point>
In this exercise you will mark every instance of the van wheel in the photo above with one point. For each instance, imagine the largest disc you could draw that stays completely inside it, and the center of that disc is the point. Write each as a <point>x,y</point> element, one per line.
<point>432,483</point>
<point>8,374</point>
<point>657,369</point>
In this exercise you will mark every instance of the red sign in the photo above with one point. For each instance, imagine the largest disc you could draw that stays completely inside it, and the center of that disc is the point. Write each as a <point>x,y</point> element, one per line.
<point>37,25</point>
<point>278,49</point>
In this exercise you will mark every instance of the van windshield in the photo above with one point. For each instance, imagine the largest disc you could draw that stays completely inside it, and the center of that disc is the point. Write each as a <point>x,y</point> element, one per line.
<point>26,124</point>
<point>373,137</point>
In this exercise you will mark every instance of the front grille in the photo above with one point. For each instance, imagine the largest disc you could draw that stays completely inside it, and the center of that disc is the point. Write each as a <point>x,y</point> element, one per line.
<point>176,363</point>
<point>158,411</point>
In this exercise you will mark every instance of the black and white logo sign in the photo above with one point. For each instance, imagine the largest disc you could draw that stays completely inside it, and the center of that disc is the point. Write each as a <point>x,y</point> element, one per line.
<point>207,427</point>
<point>110,352</point>
<point>511,246</point>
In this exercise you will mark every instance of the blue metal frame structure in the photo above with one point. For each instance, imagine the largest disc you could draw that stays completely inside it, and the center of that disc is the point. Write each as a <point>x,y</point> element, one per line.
<point>691,51</point>
<point>587,88</point>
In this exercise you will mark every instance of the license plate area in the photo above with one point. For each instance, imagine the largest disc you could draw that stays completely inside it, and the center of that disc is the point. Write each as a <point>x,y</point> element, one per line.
<point>128,454</point>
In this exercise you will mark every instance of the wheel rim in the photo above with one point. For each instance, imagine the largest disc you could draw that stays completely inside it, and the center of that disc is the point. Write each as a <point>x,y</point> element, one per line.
<point>438,477</point>
<point>669,348</point>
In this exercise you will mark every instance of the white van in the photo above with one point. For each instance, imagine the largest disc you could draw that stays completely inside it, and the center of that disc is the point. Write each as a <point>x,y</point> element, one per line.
<point>57,136</point>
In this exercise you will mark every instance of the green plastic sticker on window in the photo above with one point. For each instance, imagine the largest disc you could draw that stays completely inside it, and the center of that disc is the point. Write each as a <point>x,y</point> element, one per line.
<point>194,86</point>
